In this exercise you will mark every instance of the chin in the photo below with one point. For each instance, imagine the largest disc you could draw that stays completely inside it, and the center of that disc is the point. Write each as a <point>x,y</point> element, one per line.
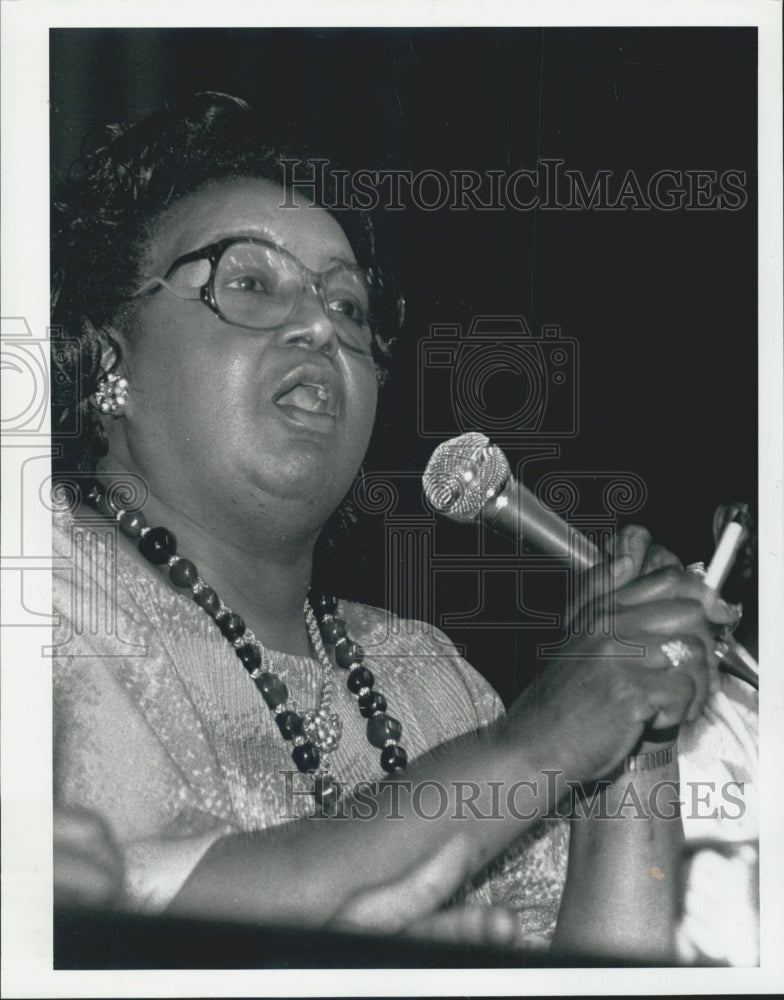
<point>316,488</point>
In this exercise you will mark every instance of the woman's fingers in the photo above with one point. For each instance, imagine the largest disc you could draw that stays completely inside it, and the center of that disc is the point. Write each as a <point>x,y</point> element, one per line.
<point>662,626</point>
<point>671,582</point>
<point>87,864</point>
<point>657,557</point>
<point>633,541</point>
<point>413,896</point>
<point>594,584</point>
<point>633,556</point>
<point>670,703</point>
<point>629,549</point>
<point>685,661</point>
<point>82,880</point>
<point>491,926</point>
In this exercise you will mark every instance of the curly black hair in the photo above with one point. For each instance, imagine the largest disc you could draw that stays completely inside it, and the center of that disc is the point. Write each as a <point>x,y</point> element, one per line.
<point>104,215</point>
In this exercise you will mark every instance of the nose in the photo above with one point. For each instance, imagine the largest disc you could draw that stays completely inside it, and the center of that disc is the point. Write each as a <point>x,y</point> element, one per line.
<point>310,325</point>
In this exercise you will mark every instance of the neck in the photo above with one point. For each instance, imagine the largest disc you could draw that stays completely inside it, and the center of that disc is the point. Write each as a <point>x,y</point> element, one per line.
<point>265,579</point>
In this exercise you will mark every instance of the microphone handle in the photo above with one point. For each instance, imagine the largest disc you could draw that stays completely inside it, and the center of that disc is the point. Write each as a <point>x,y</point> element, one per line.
<point>516,512</point>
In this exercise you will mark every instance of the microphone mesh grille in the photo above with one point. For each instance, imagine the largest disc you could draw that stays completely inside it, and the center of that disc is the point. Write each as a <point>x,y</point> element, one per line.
<point>463,474</point>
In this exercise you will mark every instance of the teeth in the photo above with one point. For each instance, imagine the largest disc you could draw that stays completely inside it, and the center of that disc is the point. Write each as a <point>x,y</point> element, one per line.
<point>307,396</point>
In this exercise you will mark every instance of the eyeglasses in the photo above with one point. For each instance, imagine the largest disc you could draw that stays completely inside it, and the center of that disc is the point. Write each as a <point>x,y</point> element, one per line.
<point>257,285</point>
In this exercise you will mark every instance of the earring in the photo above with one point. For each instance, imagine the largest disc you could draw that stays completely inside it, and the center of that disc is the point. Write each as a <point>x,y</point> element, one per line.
<point>111,394</point>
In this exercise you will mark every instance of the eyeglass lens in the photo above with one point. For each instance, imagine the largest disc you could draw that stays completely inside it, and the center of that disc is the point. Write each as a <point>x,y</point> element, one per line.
<point>256,286</point>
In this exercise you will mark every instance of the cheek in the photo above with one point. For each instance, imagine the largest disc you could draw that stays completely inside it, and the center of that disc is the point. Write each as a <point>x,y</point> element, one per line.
<point>363,395</point>
<point>180,385</point>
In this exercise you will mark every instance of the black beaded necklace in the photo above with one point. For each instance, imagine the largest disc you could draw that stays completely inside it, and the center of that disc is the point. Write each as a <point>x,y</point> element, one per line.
<point>315,734</point>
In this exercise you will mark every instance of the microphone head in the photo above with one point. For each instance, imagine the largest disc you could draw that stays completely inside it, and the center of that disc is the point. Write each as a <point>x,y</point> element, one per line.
<point>463,474</point>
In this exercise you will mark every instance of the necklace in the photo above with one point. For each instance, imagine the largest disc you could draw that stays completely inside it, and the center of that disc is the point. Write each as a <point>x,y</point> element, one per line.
<point>313,734</point>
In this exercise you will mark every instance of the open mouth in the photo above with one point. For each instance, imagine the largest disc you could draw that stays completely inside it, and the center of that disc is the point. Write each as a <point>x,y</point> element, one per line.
<point>311,397</point>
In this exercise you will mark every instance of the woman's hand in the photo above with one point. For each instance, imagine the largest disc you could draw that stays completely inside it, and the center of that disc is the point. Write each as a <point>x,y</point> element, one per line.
<point>634,555</point>
<point>87,864</point>
<point>613,676</point>
<point>411,905</point>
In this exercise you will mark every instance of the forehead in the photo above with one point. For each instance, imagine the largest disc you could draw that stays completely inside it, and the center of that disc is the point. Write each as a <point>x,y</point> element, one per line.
<point>249,207</point>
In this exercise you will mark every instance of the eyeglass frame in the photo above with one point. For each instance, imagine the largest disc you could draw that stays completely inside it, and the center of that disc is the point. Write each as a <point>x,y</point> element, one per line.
<point>213,252</point>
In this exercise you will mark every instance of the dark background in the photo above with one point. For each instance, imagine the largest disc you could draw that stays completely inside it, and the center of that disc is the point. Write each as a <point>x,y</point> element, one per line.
<point>662,304</point>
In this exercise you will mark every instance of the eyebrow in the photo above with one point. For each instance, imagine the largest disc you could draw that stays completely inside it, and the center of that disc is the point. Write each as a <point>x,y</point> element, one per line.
<point>265,237</point>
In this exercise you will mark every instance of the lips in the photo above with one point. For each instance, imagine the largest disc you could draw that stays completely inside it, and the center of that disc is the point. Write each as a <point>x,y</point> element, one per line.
<point>309,391</point>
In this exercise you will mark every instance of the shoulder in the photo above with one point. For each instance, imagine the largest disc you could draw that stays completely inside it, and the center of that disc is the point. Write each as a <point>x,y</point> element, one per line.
<point>100,620</point>
<point>424,658</point>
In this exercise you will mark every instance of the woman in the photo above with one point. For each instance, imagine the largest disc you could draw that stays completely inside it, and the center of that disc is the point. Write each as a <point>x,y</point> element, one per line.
<point>231,350</point>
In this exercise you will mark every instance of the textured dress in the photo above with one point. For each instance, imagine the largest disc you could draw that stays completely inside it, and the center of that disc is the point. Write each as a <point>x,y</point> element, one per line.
<point>159,729</point>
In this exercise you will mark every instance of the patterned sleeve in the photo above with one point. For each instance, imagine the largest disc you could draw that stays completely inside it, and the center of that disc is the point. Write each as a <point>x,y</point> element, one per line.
<point>108,759</point>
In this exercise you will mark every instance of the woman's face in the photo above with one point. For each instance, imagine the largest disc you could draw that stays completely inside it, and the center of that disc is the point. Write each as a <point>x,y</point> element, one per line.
<point>214,421</point>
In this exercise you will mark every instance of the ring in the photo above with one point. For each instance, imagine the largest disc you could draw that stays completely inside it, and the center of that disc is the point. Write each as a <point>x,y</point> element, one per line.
<point>698,568</point>
<point>677,652</point>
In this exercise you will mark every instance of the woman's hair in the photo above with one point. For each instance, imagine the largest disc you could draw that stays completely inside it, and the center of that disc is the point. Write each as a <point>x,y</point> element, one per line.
<point>104,216</point>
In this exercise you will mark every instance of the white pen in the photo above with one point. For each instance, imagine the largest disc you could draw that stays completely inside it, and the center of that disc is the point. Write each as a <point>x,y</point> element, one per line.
<point>732,538</point>
<point>735,658</point>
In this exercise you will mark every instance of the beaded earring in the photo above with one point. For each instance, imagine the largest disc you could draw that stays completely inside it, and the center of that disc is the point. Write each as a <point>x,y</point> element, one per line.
<point>111,394</point>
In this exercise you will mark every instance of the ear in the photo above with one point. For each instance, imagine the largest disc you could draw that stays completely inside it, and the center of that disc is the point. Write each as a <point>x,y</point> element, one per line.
<point>112,344</point>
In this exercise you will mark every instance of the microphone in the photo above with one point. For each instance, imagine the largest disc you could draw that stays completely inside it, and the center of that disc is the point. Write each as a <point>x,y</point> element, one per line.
<point>469,479</point>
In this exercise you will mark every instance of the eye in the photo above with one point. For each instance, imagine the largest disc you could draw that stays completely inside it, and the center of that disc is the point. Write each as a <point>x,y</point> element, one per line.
<point>350,308</point>
<point>347,295</point>
<point>248,283</point>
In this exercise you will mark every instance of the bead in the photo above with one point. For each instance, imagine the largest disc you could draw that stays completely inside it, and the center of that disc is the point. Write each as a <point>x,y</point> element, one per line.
<point>348,653</point>
<point>358,678</point>
<point>371,704</point>
<point>332,629</point>
<point>324,605</point>
<point>232,626</point>
<point>91,490</point>
<point>249,657</point>
<point>208,600</point>
<point>382,728</point>
<point>289,724</point>
<point>272,688</point>
<point>157,545</point>
<point>326,792</point>
<point>306,757</point>
<point>394,759</point>
<point>183,573</point>
<point>104,507</point>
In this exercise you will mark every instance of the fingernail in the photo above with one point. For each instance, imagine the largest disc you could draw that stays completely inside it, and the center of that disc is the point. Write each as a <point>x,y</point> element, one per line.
<point>621,566</point>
